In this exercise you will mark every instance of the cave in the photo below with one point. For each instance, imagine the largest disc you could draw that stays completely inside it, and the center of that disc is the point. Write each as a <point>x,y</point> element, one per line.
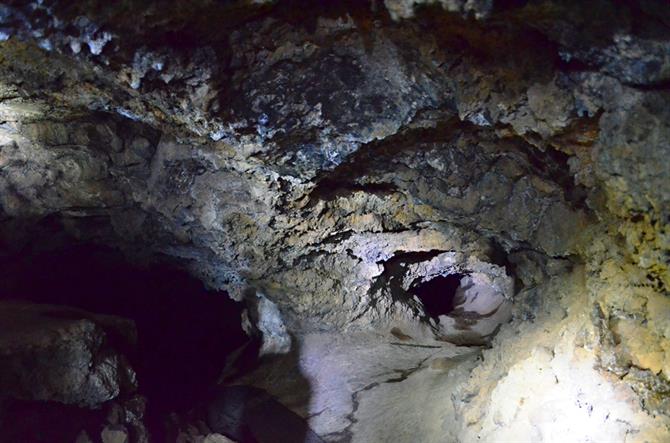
<point>437,295</point>
<point>182,332</point>
<point>291,221</point>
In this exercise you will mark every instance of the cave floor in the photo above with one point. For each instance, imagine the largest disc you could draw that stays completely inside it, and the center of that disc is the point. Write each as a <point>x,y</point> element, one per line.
<point>367,386</point>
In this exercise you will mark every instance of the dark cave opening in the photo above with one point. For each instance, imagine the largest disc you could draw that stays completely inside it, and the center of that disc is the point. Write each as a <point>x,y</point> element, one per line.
<point>438,294</point>
<point>184,332</point>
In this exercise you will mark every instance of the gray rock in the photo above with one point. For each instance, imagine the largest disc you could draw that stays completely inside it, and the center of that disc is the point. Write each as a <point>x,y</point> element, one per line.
<point>52,353</point>
<point>114,434</point>
<point>331,160</point>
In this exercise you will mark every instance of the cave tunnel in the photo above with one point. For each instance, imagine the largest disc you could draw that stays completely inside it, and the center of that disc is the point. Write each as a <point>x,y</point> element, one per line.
<point>438,294</point>
<point>184,332</point>
<point>361,221</point>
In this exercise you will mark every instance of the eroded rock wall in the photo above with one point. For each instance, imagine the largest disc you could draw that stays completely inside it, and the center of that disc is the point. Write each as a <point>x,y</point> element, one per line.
<point>328,159</point>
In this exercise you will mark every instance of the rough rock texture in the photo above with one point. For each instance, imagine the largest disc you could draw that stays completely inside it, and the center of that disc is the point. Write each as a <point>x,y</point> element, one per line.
<point>345,395</point>
<point>556,385</point>
<point>65,374</point>
<point>54,354</point>
<point>319,163</point>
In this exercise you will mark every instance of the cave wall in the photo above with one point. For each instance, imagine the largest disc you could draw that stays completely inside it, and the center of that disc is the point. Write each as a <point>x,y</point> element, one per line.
<point>320,161</point>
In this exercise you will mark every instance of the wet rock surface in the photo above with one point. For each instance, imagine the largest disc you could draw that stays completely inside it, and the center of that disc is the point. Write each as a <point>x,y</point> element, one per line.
<point>324,163</point>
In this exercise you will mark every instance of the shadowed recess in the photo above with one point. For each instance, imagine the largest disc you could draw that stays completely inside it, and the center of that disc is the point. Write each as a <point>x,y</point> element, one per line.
<point>437,295</point>
<point>185,332</point>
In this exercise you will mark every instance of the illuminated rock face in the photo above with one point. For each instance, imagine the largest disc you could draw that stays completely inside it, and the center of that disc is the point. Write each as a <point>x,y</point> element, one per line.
<point>343,170</point>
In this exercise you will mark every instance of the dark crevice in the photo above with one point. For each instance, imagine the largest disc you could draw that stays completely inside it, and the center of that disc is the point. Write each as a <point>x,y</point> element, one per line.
<point>498,255</point>
<point>184,332</point>
<point>362,162</point>
<point>329,189</point>
<point>553,165</point>
<point>403,374</point>
<point>406,258</point>
<point>35,421</point>
<point>658,86</point>
<point>411,345</point>
<point>391,278</point>
<point>574,66</point>
<point>438,295</point>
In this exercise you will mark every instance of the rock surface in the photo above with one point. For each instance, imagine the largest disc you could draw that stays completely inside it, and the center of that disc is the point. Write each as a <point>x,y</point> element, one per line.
<point>50,353</point>
<point>321,163</point>
<point>65,376</point>
<point>341,385</point>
